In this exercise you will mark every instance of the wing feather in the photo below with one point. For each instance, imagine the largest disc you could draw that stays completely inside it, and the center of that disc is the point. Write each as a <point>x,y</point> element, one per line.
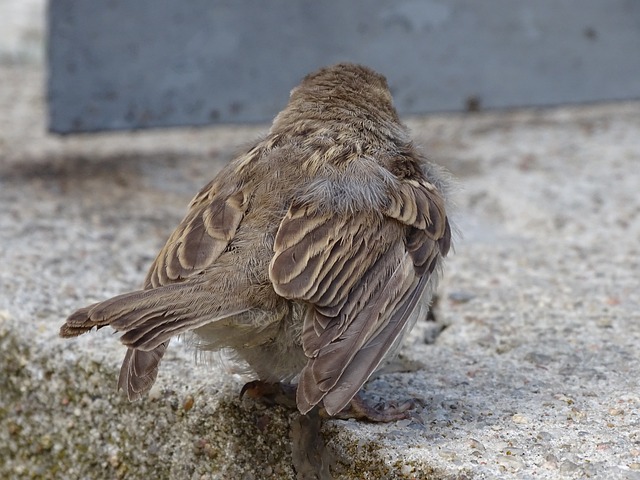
<point>201,237</point>
<point>149,318</point>
<point>362,275</point>
<point>370,356</point>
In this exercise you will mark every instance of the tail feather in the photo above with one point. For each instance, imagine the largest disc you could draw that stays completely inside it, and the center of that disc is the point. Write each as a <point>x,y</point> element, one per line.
<point>139,370</point>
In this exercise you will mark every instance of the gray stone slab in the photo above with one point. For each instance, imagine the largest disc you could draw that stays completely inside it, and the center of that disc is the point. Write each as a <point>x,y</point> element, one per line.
<point>151,63</point>
<point>535,375</point>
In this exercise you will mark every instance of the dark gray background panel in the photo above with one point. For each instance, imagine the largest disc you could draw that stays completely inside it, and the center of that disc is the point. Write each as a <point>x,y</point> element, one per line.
<point>121,64</point>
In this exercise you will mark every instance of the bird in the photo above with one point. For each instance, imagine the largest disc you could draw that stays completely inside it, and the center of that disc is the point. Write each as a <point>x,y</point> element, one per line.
<point>310,255</point>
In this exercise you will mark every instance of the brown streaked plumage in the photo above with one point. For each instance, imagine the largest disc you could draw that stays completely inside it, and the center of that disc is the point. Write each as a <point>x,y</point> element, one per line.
<point>310,255</point>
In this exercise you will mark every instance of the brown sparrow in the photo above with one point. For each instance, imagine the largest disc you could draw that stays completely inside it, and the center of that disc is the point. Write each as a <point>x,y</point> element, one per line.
<point>310,255</point>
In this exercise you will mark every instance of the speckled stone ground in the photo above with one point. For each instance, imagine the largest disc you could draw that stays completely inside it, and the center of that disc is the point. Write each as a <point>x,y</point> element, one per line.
<point>534,376</point>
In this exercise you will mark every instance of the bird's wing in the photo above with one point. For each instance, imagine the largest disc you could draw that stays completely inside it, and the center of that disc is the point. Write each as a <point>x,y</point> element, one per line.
<point>168,305</point>
<point>363,278</point>
<point>201,237</point>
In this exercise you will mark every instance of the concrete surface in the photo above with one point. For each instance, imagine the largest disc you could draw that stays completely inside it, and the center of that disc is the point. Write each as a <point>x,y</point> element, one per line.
<point>122,65</point>
<point>535,375</point>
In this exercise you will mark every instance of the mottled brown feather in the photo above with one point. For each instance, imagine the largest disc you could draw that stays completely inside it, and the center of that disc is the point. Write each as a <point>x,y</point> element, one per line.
<point>200,238</point>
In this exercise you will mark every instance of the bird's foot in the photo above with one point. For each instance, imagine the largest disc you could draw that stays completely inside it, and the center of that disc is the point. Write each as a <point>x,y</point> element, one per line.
<point>358,408</point>
<point>271,393</point>
<point>382,412</point>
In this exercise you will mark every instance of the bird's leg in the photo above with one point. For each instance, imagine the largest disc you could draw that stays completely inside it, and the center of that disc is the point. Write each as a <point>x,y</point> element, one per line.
<point>384,412</point>
<point>271,393</point>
